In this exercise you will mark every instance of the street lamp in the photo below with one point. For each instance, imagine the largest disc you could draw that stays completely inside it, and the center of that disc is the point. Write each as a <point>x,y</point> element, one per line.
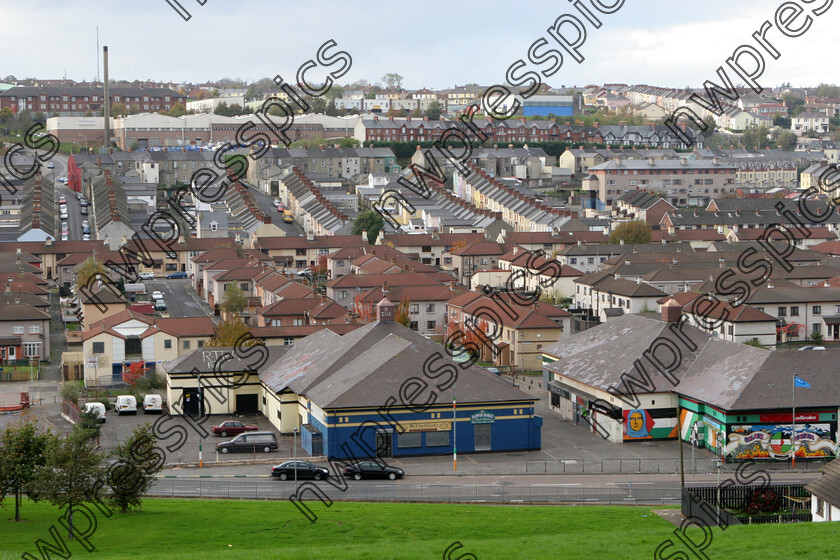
<point>294,452</point>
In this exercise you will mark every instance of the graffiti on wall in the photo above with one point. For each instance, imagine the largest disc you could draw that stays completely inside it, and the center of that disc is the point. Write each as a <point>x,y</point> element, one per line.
<point>639,424</point>
<point>773,441</point>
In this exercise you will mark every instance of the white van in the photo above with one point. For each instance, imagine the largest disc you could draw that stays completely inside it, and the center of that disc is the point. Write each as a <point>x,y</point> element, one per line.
<point>98,407</point>
<point>152,403</point>
<point>126,404</point>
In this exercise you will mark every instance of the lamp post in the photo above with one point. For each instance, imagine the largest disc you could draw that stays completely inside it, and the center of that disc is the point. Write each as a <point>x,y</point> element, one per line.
<point>294,451</point>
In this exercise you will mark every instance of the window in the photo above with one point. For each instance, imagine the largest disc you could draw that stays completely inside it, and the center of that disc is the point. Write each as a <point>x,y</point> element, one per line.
<point>288,340</point>
<point>340,263</point>
<point>590,260</point>
<point>186,345</point>
<point>430,308</point>
<point>410,439</point>
<point>31,349</point>
<point>98,347</point>
<point>426,248</point>
<point>430,325</point>
<point>201,344</point>
<point>415,308</point>
<point>244,286</point>
<point>782,311</point>
<point>297,322</point>
<point>817,327</point>
<point>817,310</point>
<point>412,325</point>
<point>794,311</point>
<point>342,294</point>
<point>34,329</point>
<point>437,439</point>
<point>18,329</point>
<point>167,343</point>
<point>573,260</point>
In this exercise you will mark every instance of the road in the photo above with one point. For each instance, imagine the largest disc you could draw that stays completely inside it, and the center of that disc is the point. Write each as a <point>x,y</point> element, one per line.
<point>179,301</point>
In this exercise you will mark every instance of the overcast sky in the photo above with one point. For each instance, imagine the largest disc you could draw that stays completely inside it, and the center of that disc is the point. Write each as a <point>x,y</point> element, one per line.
<point>433,43</point>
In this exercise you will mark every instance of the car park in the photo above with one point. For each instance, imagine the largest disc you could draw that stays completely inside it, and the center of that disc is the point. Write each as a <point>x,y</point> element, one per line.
<point>372,469</point>
<point>97,407</point>
<point>232,427</point>
<point>156,295</point>
<point>176,275</point>
<point>249,442</point>
<point>126,404</point>
<point>152,404</point>
<point>147,276</point>
<point>299,470</point>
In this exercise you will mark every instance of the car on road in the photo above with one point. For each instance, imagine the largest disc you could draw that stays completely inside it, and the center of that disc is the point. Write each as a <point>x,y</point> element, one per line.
<point>303,469</point>
<point>147,276</point>
<point>249,442</point>
<point>86,237</point>
<point>64,215</point>
<point>232,427</point>
<point>372,469</point>
<point>156,295</point>
<point>176,275</point>
<point>288,217</point>
<point>305,272</point>
<point>62,200</point>
<point>811,348</point>
<point>50,165</point>
<point>86,229</point>
<point>65,237</point>
<point>83,202</point>
<point>65,226</point>
<point>85,223</point>
<point>84,211</point>
<point>160,305</point>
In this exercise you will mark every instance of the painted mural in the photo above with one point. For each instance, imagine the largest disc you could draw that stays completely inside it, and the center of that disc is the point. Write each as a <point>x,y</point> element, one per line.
<point>773,441</point>
<point>639,424</point>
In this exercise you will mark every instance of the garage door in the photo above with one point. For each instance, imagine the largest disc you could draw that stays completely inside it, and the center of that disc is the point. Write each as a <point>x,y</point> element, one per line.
<point>247,404</point>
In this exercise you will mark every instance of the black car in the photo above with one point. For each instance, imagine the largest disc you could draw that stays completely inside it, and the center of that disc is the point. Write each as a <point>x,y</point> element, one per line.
<point>372,469</point>
<point>305,469</point>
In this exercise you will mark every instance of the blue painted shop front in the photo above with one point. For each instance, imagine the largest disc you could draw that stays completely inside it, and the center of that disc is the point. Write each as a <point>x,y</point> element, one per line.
<point>360,433</point>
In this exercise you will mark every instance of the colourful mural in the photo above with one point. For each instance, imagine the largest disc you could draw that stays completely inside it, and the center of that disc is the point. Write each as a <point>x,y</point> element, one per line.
<point>773,441</point>
<point>639,424</point>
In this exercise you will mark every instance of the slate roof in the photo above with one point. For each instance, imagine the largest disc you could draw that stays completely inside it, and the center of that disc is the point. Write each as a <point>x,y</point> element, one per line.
<point>827,487</point>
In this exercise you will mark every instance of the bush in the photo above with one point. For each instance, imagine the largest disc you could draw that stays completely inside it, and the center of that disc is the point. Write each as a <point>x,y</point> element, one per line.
<point>817,338</point>
<point>72,390</point>
<point>764,501</point>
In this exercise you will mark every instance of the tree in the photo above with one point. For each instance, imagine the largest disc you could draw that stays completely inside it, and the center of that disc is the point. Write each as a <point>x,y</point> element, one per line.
<point>827,90</point>
<point>177,110</point>
<point>335,92</point>
<point>781,120</point>
<point>70,474</point>
<point>321,269</point>
<point>434,110</point>
<point>233,300</point>
<point>710,123</point>
<point>393,81</point>
<point>786,141</point>
<point>332,110</point>
<point>135,470</point>
<point>364,309</point>
<point>89,423</point>
<point>133,373</point>
<point>317,105</point>
<point>6,114</point>
<point>369,221</point>
<point>635,231</point>
<point>232,332</point>
<point>222,109</point>
<point>755,137</point>
<point>118,110</point>
<point>87,270</point>
<point>402,314</point>
<point>21,453</point>
<point>816,337</point>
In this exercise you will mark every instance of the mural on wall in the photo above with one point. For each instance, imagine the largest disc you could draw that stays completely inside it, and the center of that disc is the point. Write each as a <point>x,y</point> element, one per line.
<point>773,441</point>
<point>708,429</point>
<point>639,424</point>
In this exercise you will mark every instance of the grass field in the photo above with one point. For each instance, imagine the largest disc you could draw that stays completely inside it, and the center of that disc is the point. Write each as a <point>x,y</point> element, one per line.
<point>210,529</point>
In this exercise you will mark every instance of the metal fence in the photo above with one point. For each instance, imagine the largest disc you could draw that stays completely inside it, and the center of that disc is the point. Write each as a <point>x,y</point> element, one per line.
<point>667,465</point>
<point>386,491</point>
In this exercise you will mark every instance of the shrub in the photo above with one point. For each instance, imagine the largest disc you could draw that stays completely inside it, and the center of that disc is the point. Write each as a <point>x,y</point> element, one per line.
<point>72,390</point>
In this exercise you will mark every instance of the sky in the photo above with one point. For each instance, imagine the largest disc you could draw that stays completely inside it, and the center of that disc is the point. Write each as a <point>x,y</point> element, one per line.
<point>435,44</point>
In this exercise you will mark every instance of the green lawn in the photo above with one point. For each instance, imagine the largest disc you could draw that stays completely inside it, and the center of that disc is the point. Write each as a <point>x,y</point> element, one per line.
<point>213,529</point>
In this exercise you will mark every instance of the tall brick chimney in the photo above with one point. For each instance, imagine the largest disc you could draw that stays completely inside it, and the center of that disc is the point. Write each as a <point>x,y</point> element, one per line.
<point>385,310</point>
<point>671,311</point>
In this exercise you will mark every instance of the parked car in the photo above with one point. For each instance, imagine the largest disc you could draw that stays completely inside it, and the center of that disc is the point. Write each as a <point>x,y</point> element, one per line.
<point>65,226</point>
<point>65,237</point>
<point>147,276</point>
<point>98,407</point>
<point>288,217</point>
<point>152,403</point>
<point>126,404</point>
<point>811,348</point>
<point>249,442</point>
<point>62,200</point>
<point>304,469</point>
<point>86,237</point>
<point>232,427</point>
<point>156,295</point>
<point>372,469</point>
<point>84,211</point>
<point>50,165</point>
<point>176,275</point>
<point>160,305</point>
